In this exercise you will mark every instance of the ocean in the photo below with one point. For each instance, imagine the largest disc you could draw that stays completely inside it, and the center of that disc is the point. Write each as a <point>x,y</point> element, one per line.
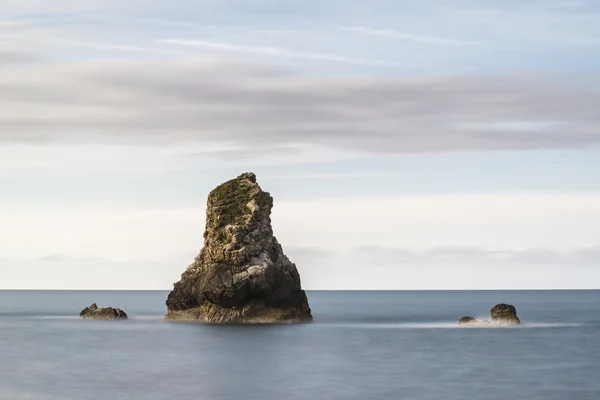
<point>365,345</point>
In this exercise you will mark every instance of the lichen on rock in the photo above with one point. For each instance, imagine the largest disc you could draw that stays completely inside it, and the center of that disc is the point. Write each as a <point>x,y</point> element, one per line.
<point>504,313</point>
<point>241,274</point>
<point>95,312</point>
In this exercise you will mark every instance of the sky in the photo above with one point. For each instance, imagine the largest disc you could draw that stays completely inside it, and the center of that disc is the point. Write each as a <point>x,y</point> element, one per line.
<point>408,145</point>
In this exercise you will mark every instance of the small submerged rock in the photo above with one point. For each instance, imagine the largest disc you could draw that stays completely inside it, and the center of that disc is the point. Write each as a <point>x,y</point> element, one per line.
<point>502,314</point>
<point>95,312</point>
<point>468,321</point>
<point>505,313</point>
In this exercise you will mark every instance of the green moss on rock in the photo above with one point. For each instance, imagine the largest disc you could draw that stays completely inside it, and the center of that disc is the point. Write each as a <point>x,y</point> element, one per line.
<point>241,274</point>
<point>231,198</point>
<point>505,313</point>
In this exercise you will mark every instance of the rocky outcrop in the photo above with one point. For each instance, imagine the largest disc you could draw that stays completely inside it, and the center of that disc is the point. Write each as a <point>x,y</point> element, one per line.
<point>94,312</point>
<point>468,321</point>
<point>504,313</point>
<point>241,274</point>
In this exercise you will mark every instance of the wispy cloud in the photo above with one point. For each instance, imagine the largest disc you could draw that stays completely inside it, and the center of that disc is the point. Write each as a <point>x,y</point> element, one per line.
<point>11,24</point>
<point>115,47</point>
<point>570,3</point>
<point>256,106</point>
<point>584,256</point>
<point>274,52</point>
<point>10,57</point>
<point>392,34</point>
<point>53,258</point>
<point>341,175</point>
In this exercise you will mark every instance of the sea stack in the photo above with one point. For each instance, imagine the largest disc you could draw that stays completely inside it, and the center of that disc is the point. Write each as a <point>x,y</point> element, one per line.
<point>95,312</point>
<point>241,274</point>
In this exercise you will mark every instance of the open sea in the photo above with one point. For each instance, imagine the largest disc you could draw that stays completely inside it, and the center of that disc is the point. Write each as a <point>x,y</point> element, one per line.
<point>363,345</point>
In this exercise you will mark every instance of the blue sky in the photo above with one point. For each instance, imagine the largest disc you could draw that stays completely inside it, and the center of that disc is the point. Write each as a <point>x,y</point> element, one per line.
<point>461,137</point>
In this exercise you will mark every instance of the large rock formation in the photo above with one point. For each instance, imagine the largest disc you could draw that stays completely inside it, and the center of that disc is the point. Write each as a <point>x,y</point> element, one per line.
<point>241,274</point>
<point>504,313</point>
<point>94,312</point>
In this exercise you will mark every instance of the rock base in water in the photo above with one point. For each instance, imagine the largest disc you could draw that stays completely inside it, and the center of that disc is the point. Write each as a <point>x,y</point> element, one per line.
<point>468,321</point>
<point>502,314</point>
<point>505,313</point>
<point>241,274</point>
<point>471,321</point>
<point>94,312</point>
<point>253,313</point>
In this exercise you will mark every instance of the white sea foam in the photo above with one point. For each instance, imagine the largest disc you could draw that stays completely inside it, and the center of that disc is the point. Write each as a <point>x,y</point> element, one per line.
<point>73,317</point>
<point>452,325</point>
<point>369,325</point>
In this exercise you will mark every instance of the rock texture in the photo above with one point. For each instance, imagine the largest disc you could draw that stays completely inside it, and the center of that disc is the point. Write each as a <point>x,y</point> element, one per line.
<point>468,321</point>
<point>93,312</point>
<point>241,274</point>
<point>504,313</point>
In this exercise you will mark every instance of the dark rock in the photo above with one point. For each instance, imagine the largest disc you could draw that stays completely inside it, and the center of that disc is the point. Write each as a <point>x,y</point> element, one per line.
<point>504,313</point>
<point>93,312</point>
<point>241,274</point>
<point>468,321</point>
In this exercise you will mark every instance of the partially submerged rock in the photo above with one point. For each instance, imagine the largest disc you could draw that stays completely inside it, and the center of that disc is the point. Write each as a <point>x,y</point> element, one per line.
<point>241,274</point>
<point>502,314</point>
<point>94,312</point>
<point>468,321</point>
<point>505,314</point>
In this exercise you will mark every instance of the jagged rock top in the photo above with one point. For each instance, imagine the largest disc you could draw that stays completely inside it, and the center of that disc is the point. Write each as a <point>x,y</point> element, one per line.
<point>95,312</point>
<point>241,274</point>
<point>235,209</point>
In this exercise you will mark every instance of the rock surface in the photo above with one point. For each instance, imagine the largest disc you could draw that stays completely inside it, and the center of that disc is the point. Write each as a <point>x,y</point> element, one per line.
<point>241,274</point>
<point>504,313</point>
<point>468,321</point>
<point>94,312</point>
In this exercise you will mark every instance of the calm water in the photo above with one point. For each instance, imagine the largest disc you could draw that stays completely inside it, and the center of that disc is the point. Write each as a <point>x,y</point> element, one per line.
<point>362,345</point>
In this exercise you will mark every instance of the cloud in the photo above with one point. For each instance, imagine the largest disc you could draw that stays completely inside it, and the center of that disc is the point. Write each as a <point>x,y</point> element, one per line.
<point>53,258</point>
<point>10,24</point>
<point>392,34</point>
<point>73,6</point>
<point>340,175</point>
<point>452,256</point>
<point>111,46</point>
<point>274,52</point>
<point>571,3</point>
<point>10,57</point>
<point>86,273</point>
<point>308,255</point>
<point>255,106</point>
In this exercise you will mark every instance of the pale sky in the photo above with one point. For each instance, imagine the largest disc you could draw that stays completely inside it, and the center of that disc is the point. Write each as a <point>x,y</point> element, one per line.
<point>408,145</point>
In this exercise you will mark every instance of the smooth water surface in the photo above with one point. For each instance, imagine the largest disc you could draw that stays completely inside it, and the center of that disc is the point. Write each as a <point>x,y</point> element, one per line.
<point>362,345</point>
